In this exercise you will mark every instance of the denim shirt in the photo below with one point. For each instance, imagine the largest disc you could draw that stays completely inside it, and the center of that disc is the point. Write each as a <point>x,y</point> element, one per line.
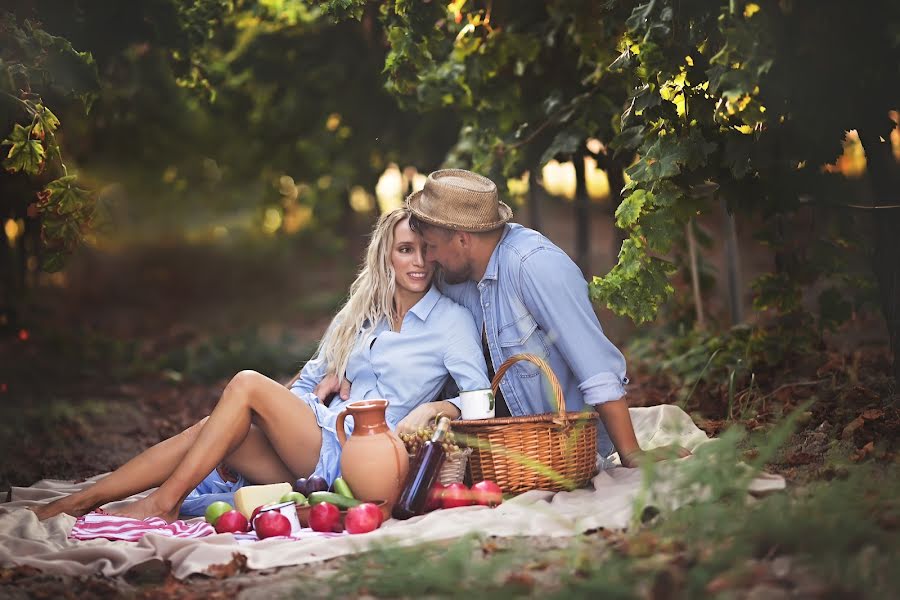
<point>533,298</point>
<point>436,341</point>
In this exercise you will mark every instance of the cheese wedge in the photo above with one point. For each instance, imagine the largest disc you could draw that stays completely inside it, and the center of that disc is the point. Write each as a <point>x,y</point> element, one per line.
<point>250,496</point>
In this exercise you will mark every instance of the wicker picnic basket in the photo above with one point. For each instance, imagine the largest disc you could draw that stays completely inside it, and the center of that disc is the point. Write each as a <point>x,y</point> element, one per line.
<point>454,468</point>
<point>549,451</point>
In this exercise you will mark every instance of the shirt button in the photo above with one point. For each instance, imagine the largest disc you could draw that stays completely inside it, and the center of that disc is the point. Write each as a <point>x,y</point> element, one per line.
<point>486,304</point>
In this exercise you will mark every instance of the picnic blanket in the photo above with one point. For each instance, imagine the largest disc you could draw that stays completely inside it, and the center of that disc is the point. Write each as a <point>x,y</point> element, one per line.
<point>608,503</point>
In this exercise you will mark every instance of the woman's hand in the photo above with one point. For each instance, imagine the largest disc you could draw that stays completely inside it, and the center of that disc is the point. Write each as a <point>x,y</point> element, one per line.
<point>637,457</point>
<point>421,417</point>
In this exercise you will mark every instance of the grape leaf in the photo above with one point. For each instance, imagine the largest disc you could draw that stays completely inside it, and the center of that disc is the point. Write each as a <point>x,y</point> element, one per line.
<point>629,211</point>
<point>25,154</point>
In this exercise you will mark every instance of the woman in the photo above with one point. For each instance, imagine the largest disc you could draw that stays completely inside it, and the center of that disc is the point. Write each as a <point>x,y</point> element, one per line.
<point>396,338</point>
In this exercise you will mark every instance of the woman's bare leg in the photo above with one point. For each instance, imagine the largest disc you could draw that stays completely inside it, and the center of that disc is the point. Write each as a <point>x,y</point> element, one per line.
<point>258,461</point>
<point>146,470</point>
<point>289,425</point>
<point>254,458</point>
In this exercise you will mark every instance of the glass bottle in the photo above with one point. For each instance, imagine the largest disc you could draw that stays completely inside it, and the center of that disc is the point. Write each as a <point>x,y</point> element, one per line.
<point>422,474</point>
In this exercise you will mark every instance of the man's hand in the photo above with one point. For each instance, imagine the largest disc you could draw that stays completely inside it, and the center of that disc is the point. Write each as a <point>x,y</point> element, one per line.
<point>329,386</point>
<point>636,458</point>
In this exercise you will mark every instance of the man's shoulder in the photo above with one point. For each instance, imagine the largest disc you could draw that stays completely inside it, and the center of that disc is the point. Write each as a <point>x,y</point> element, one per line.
<point>456,291</point>
<point>528,245</point>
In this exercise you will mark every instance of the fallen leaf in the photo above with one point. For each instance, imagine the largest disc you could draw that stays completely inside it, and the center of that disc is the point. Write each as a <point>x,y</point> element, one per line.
<point>870,414</point>
<point>489,547</point>
<point>863,452</point>
<point>520,579</point>
<point>739,577</point>
<point>16,573</point>
<point>799,458</point>
<point>237,564</point>
<point>851,428</point>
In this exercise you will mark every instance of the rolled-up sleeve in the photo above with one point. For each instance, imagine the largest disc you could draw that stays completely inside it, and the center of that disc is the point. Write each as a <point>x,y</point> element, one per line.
<point>463,356</point>
<point>555,293</point>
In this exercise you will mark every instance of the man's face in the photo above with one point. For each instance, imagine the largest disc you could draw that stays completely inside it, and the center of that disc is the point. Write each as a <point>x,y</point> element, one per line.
<point>444,248</point>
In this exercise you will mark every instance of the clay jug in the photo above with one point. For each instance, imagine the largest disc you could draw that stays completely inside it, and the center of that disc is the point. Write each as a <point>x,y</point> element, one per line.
<point>374,461</point>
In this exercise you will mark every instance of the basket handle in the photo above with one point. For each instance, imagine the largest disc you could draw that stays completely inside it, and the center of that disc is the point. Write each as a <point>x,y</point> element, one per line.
<point>540,362</point>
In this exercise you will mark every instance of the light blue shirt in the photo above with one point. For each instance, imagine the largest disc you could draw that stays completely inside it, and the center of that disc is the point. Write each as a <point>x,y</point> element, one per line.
<point>437,340</point>
<point>533,298</point>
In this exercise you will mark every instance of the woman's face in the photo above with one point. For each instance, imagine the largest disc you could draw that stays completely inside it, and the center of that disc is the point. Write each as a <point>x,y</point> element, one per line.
<point>411,271</point>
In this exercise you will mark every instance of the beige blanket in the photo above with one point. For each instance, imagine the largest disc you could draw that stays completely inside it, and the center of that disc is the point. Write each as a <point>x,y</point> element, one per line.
<point>45,545</point>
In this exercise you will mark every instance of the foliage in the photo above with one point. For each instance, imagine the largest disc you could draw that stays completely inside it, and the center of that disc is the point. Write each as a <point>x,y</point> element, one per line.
<point>250,114</point>
<point>35,65</point>
<point>726,101</point>
<point>725,105</point>
<point>223,356</point>
<point>526,78</point>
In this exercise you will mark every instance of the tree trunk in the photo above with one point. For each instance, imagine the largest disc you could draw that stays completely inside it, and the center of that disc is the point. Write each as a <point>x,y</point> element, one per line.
<point>582,217</point>
<point>733,268</point>
<point>695,274</point>
<point>885,180</point>
<point>534,199</point>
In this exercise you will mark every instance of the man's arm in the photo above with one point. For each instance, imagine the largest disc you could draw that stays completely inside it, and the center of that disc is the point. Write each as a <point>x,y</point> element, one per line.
<point>555,292</point>
<point>615,417</point>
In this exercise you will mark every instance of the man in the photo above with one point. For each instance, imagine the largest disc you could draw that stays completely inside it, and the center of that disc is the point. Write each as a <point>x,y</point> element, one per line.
<point>526,295</point>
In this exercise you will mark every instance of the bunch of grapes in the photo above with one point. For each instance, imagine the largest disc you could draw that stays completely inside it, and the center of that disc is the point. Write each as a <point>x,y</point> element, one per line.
<point>414,441</point>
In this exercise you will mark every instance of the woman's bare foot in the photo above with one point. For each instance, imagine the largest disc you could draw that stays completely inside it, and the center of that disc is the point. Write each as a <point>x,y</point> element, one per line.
<point>147,507</point>
<point>69,505</point>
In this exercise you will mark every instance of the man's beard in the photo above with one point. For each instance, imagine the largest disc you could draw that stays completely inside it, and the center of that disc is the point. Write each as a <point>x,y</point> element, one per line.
<point>453,277</point>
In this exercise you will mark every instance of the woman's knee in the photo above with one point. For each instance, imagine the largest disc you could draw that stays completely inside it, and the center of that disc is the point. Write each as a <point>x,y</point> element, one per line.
<point>245,383</point>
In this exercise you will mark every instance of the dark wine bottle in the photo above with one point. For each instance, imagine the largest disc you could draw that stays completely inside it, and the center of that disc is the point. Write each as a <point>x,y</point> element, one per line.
<point>422,474</point>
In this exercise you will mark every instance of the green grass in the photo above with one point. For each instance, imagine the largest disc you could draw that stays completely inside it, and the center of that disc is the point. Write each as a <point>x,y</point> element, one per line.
<point>838,538</point>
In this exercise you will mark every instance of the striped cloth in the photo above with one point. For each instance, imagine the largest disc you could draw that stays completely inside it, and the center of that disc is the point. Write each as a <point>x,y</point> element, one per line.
<point>99,525</point>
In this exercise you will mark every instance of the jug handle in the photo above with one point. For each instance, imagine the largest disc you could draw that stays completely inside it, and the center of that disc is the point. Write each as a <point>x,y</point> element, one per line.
<point>339,427</point>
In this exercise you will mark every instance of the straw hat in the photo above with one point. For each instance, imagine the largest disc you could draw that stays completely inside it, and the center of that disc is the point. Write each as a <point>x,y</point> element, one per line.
<point>460,200</point>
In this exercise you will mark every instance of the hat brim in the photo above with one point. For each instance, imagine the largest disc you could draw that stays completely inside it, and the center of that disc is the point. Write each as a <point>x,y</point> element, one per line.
<point>414,201</point>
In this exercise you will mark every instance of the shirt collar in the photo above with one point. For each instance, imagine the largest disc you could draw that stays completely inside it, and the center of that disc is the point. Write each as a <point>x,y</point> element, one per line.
<point>423,307</point>
<point>491,271</point>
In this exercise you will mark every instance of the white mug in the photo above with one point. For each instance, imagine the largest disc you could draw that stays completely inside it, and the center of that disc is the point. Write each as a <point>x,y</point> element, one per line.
<point>477,404</point>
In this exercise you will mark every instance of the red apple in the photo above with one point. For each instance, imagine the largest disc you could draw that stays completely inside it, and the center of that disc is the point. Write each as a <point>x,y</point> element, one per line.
<point>256,512</point>
<point>487,493</point>
<point>232,522</point>
<point>434,496</point>
<point>363,518</point>
<point>271,524</point>
<point>325,517</point>
<point>456,494</point>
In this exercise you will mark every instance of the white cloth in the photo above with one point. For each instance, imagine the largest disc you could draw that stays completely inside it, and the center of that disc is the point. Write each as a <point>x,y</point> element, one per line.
<point>45,545</point>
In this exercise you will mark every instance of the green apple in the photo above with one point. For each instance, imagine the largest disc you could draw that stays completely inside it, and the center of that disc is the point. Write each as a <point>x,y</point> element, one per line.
<point>295,497</point>
<point>216,510</point>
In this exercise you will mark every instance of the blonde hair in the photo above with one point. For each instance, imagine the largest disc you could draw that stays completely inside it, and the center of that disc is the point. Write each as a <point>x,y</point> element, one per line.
<point>371,296</point>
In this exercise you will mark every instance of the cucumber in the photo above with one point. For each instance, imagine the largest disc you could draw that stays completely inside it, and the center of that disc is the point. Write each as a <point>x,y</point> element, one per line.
<point>341,487</point>
<point>341,502</point>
